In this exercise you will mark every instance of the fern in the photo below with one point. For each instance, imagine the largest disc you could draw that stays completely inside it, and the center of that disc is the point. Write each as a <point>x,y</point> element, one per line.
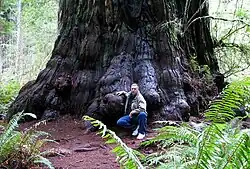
<point>233,96</point>
<point>238,154</point>
<point>216,146</point>
<point>172,157</point>
<point>9,138</point>
<point>10,128</point>
<point>170,134</point>
<point>126,156</point>
<point>22,147</point>
<point>223,148</point>
<point>176,145</point>
<point>220,144</point>
<point>9,146</point>
<point>206,146</point>
<point>38,159</point>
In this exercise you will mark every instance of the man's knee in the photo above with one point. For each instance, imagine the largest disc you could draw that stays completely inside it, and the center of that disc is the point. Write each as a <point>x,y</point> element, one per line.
<point>120,122</point>
<point>142,115</point>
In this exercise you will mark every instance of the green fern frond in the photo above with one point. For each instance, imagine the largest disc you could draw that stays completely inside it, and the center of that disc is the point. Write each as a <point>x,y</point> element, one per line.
<point>22,146</point>
<point>10,139</point>
<point>40,142</point>
<point>10,145</point>
<point>232,97</point>
<point>177,155</point>
<point>219,144</point>
<point>178,145</point>
<point>206,146</point>
<point>170,134</point>
<point>126,156</point>
<point>13,124</point>
<point>188,165</point>
<point>239,153</point>
<point>38,159</point>
<point>31,136</point>
<point>10,128</point>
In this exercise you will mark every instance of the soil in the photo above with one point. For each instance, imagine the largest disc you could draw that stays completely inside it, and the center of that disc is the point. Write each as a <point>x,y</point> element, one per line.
<point>80,150</point>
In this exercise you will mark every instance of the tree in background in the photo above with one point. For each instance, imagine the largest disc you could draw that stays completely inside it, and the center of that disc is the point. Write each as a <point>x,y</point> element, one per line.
<point>231,31</point>
<point>27,35</point>
<point>26,38</point>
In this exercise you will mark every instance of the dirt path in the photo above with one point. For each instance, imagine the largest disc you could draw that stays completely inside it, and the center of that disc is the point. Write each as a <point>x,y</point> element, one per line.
<point>81,151</point>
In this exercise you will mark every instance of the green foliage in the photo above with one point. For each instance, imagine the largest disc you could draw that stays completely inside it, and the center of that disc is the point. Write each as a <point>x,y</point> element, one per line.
<point>21,149</point>
<point>39,30</point>
<point>7,16</point>
<point>202,70</point>
<point>8,92</point>
<point>232,37</point>
<point>242,13</point>
<point>175,146</point>
<point>127,157</point>
<point>194,64</point>
<point>170,134</point>
<point>233,96</point>
<point>28,45</point>
<point>221,146</point>
<point>218,146</point>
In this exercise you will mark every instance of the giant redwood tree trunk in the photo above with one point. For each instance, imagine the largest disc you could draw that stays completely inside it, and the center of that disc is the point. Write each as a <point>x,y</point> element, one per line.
<point>106,45</point>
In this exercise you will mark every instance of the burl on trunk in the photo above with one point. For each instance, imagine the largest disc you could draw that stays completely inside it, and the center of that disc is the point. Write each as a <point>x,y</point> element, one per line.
<point>106,45</point>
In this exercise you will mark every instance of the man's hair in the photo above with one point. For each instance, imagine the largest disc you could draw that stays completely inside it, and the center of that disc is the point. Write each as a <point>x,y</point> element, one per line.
<point>135,84</point>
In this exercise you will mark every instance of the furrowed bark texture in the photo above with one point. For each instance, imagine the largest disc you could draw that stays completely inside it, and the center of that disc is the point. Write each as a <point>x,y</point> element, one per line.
<point>106,45</point>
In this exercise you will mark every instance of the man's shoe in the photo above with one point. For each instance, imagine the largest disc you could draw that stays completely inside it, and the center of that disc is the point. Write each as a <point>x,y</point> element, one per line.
<point>141,136</point>
<point>135,132</point>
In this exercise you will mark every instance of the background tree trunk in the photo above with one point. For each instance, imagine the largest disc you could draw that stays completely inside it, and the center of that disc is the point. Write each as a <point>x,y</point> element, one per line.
<point>106,45</point>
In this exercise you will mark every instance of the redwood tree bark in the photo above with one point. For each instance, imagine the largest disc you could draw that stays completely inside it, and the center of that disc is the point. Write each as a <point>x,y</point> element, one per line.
<point>106,45</point>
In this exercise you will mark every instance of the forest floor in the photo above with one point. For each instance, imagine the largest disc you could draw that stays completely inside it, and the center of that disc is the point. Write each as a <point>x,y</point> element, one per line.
<point>80,150</point>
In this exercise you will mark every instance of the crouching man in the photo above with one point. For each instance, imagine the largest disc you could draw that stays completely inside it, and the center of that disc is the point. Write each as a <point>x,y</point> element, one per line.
<point>135,116</point>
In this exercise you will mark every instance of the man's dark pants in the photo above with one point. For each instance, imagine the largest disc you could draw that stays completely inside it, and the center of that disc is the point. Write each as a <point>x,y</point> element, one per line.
<point>140,119</point>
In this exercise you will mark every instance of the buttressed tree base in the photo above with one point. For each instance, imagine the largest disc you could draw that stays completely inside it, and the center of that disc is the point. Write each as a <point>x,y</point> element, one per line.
<point>106,45</point>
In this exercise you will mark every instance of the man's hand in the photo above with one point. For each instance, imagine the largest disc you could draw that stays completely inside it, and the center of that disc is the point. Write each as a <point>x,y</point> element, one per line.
<point>120,93</point>
<point>131,113</point>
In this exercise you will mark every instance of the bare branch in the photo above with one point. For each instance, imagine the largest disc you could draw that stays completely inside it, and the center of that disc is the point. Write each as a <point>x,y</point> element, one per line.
<point>231,32</point>
<point>200,7</point>
<point>231,72</point>
<point>242,48</point>
<point>216,18</point>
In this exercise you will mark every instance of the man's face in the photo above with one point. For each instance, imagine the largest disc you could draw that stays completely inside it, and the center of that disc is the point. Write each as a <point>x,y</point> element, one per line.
<point>134,89</point>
